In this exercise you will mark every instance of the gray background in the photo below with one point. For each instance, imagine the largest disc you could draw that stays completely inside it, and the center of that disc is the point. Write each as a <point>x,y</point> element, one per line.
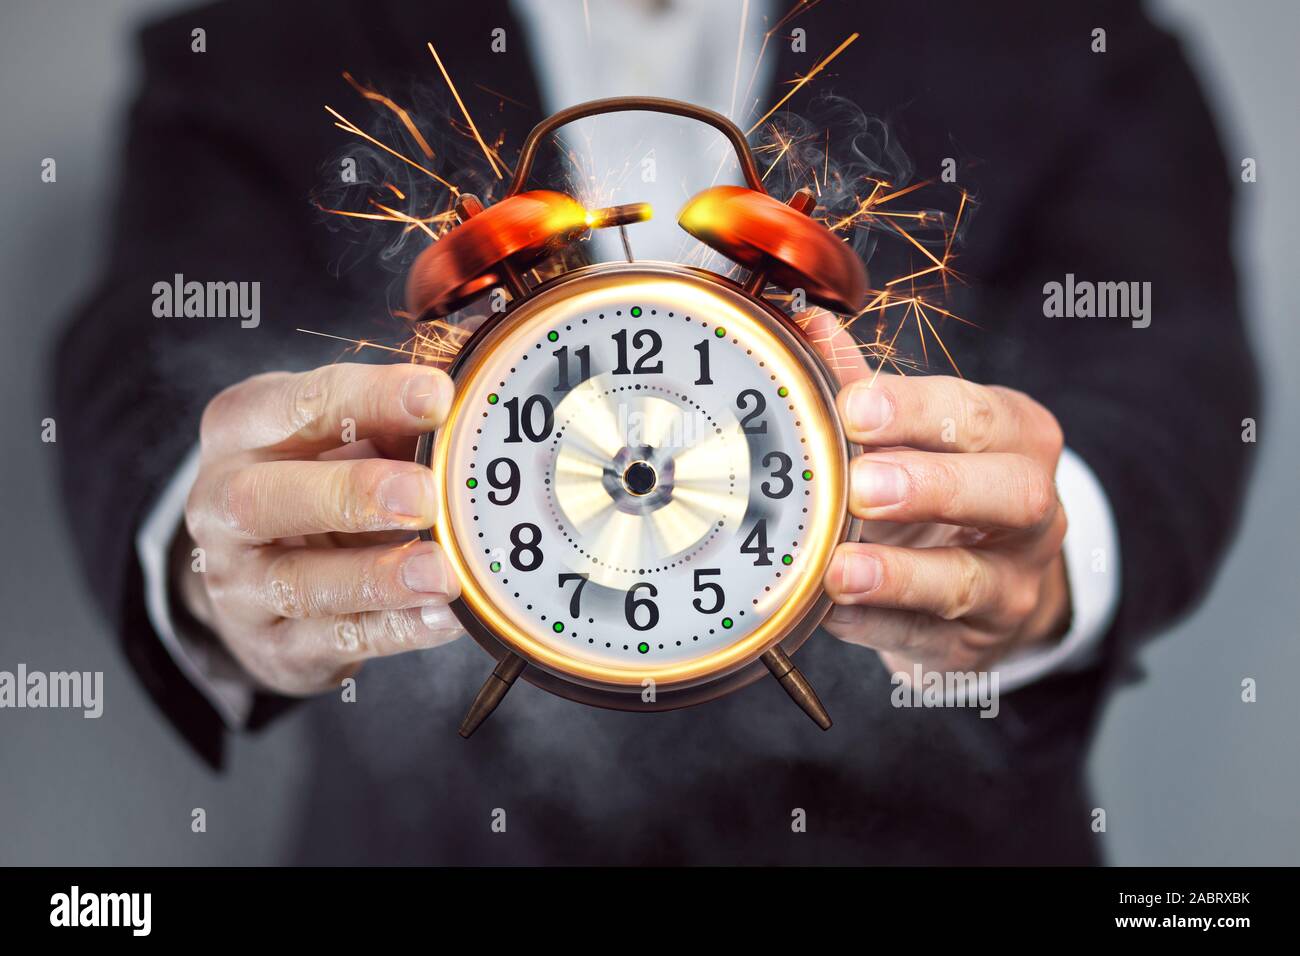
<point>1187,773</point>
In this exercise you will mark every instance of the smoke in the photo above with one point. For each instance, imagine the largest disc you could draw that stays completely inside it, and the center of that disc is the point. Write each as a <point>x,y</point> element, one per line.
<point>361,174</point>
<point>842,153</point>
<point>832,146</point>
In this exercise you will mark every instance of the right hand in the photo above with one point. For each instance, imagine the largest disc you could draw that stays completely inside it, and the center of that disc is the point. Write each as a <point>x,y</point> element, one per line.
<point>310,564</point>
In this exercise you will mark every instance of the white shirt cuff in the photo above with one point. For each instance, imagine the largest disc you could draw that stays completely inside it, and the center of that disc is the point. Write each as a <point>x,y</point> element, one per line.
<point>1091,551</point>
<point>225,686</point>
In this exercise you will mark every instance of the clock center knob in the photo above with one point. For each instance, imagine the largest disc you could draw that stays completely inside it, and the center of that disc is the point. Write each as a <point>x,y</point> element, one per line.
<point>640,478</point>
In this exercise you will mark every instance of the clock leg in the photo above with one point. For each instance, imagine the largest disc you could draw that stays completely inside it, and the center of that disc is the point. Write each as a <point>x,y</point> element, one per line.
<point>493,691</point>
<point>797,686</point>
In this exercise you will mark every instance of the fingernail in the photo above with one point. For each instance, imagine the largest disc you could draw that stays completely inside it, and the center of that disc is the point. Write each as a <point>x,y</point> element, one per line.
<point>408,493</point>
<point>869,408</point>
<point>878,483</point>
<point>425,573</point>
<point>439,617</point>
<point>427,396</point>
<point>861,573</point>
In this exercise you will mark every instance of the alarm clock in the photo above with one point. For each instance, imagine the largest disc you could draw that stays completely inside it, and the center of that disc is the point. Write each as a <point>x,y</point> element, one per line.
<point>642,476</point>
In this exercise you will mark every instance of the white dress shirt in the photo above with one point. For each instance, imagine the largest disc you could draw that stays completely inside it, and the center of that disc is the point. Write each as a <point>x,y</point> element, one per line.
<point>691,51</point>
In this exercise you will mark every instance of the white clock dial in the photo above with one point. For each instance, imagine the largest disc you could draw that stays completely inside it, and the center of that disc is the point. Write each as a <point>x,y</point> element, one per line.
<point>642,478</point>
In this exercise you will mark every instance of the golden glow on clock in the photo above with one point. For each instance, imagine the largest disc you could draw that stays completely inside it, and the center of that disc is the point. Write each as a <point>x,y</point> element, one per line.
<point>697,500</point>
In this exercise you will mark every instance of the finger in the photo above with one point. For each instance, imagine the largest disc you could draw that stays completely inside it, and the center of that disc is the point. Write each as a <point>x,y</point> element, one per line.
<point>982,491</point>
<point>359,539</point>
<point>887,630</point>
<point>309,412</point>
<point>323,582</point>
<point>904,638</point>
<point>942,413</point>
<point>836,344</point>
<point>398,447</point>
<point>949,583</point>
<point>350,638</point>
<point>281,499</point>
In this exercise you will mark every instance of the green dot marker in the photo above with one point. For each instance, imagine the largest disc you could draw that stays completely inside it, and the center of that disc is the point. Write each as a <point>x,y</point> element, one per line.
<point>783,391</point>
<point>553,335</point>
<point>643,647</point>
<point>557,627</point>
<point>727,622</point>
<point>719,331</point>
<point>787,559</point>
<point>471,483</point>
<point>495,566</point>
<point>493,398</point>
<point>807,475</point>
<point>636,311</point>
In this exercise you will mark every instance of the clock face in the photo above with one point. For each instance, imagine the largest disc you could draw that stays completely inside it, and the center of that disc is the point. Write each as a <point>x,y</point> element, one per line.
<point>642,477</point>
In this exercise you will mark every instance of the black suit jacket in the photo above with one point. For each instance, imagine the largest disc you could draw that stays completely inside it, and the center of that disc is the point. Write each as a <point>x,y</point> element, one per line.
<point>1101,165</point>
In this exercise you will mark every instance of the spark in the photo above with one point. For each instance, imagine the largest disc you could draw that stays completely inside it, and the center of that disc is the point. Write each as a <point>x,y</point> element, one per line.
<point>961,206</point>
<point>389,214</point>
<point>347,125</point>
<point>436,342</point>
<point>803,6</point>
<point>904,303</point>
<point>913,275</point>
<point>826,162</point>
<point>740,52</point>
<point>401,114</point>
<point>465,112</point>
<point>785,148</point>
<point>358,343</point>
<point>354,215</point>
<point>803,80</point>
<point>501,96</point>
<point>866,207</point>
<point>915,307</point>
<point>403,217</point>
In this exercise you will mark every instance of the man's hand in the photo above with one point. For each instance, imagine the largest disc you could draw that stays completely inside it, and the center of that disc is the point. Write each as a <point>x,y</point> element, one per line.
<point>306,504</point>
<point>957,486</point>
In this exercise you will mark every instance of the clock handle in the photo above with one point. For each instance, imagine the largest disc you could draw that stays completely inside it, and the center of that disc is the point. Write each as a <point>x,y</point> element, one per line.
<point>796,685</point>
<point>492,692</point>
<point>646,104</point>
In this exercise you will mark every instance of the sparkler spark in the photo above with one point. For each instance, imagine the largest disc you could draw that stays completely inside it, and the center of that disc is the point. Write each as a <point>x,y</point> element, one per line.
<point>803,81</point>
<point>347,125</point>
<point>400,113</point>
<point>911,301</point>
<point>491,158</point>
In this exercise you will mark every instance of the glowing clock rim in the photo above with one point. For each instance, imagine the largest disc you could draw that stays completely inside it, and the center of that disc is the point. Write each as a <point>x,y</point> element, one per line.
<point>709,675</point>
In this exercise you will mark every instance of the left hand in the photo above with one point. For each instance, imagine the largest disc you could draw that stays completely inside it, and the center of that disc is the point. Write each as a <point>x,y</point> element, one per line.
<point>956,484</point>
